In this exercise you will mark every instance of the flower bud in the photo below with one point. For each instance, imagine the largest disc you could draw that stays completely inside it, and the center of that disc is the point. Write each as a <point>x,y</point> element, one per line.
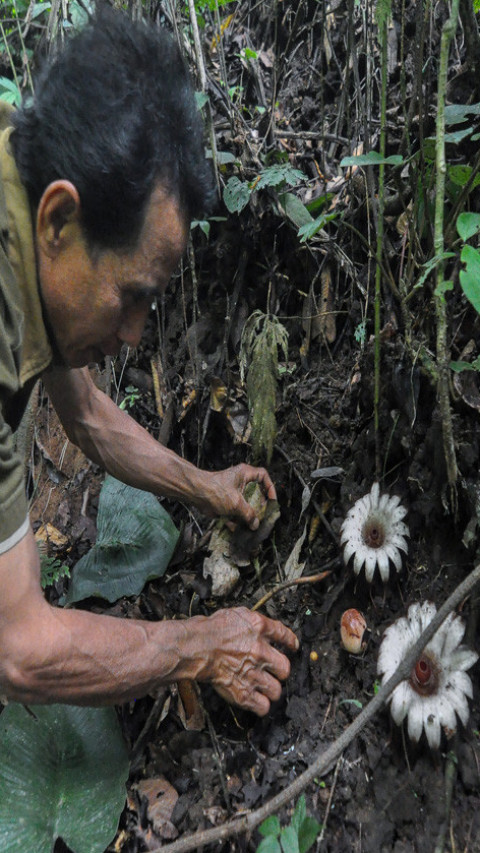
<point>352,629</point>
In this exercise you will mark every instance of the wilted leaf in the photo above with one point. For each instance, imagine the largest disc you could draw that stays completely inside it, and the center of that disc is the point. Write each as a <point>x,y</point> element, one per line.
<point>62,775</point>
<point>161,798</point>
<point>136,539</point>
<point>293,567</point>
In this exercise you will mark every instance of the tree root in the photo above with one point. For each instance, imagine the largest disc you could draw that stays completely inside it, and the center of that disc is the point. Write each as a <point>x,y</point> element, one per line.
<point>326,759</point>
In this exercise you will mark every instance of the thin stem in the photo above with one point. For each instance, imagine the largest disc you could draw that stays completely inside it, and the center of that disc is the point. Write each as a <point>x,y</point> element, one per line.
<point>443,355</point>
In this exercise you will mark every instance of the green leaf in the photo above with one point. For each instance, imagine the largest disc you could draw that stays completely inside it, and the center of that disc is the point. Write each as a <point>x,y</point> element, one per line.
<point>307,833</point>
<point>62,775</point>
<point>456,136</point>
<point>289,840</point>
<point>201,98</point>
<point>280,173</point>
<point>270,826</point>
<point>460,175</point>
<point>460,366</point>
<point>300,813</point>
<point>373,158</point>
<point>443,288</point>
<point>430,265</point>
<point>468,224</point>
<point>9,91</point>
<point>294,209</point>
<point>236,195</point>
<point>269,845</point>
<point>355,702</point>
<point>457,113</point>
<point>311,228</point>
<point>135,541</point>
<point>470,276</point>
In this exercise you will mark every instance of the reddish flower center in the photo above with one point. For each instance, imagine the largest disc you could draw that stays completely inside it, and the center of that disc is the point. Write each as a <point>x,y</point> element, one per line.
<point>373,533</point>
<point>424,675</point>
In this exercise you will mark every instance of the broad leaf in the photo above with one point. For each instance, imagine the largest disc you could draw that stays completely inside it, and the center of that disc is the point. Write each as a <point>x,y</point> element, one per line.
<point>289,840</point>
<point>62,775</point>
<point>470,276</point>
<point>299,813</point>
<point>270,826</point>
<point>457,113</point>
<point>307,833</point>
<point>269,845</point>
<point>236,195</point>
<point>468,224</point>
<point>373,158</point>
<point>295,209</point>
<point>135,542</point>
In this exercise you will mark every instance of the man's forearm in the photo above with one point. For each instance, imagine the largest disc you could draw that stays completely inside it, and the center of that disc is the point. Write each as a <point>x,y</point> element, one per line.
<point>115,441</point>
<point>81,658</point>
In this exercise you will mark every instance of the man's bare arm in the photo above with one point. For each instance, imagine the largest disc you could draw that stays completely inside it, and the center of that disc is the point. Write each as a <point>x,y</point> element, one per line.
<point>112,439</point>
<point>60,655</point>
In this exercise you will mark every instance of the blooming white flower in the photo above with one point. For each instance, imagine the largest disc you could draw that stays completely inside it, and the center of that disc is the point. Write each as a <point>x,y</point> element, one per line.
<point>374,532</point>
<point>438,685</point>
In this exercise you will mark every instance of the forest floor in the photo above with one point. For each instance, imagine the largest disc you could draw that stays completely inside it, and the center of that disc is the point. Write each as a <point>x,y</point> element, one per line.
<point>206,761</point>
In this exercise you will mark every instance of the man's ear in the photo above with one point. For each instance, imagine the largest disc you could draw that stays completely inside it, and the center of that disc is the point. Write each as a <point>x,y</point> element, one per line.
<point>58,217</point>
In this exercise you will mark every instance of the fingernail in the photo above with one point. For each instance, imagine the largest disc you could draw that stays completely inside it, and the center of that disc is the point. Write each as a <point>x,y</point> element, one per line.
<point>255,524</point>
<point>297,644</point>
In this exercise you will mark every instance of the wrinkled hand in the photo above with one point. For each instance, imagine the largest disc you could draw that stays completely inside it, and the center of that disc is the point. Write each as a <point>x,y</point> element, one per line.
<point>223,493</point>
<point>243,666</point>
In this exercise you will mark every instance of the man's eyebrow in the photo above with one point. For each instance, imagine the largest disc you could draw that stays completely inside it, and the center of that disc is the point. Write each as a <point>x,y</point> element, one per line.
<point>145,291</point>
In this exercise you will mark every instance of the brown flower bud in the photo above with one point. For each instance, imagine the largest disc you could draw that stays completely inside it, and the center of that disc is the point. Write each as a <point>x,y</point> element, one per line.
<point>352,629</point>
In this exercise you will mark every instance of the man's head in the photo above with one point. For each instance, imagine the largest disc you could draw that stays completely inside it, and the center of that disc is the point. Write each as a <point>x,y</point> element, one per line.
<point>111,154</point>
<point>114,113</point>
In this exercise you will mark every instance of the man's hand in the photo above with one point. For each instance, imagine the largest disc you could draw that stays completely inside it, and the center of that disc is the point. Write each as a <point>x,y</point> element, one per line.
<point>223,493</point>
<point>243,666</point>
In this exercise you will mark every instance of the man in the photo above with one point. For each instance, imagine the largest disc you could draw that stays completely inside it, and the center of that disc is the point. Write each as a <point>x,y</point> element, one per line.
<point>100,176</point>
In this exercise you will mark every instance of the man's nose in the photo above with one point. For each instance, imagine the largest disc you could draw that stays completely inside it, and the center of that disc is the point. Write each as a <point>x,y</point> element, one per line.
<point>131,329</point>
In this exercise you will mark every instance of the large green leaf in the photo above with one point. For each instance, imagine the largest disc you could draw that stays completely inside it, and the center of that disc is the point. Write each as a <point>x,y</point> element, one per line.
<point>62,775</point>
<point>135,542</point>
<point>470,276</point>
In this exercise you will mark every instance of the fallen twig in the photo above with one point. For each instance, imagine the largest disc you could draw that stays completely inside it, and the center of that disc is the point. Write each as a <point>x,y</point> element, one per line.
<point>324,761</point>
<point>286,584</point>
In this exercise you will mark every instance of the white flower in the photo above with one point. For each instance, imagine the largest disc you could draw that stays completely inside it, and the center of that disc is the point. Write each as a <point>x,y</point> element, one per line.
<point>438,686</point>
<point>374,532</point>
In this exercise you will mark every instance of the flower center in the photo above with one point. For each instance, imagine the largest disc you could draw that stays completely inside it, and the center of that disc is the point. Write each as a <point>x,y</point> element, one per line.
<point>373,533</point>
<point>424,676</point>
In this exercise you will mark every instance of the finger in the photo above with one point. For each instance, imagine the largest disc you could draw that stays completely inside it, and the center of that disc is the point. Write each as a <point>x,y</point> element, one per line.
<point>276,663</point>
<point>268,685</point>
<point>266,482</point>
<point>277,632</point>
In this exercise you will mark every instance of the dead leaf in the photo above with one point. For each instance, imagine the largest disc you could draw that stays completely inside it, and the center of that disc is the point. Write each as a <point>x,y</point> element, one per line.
<point>51,539</point>
<point>293,568</point>
<point>161,798</point>
<point>190,708</point>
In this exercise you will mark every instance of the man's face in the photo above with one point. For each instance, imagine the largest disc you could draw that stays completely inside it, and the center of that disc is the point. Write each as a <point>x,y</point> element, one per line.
<point>95,306</point>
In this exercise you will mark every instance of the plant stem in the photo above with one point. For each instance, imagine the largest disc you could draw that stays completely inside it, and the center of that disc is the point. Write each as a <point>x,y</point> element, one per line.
<point>443,355</point>
<point>383,34</point>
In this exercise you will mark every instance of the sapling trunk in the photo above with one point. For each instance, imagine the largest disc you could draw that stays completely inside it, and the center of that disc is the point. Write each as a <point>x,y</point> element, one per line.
<point>443,355</point>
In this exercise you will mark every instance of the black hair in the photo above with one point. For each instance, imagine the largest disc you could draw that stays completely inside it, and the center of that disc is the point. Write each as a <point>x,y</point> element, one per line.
<point>114,112</point>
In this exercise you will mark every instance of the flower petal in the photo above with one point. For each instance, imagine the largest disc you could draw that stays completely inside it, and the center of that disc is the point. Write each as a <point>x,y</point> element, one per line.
<point>427,612</point>
<point>415,720</point>
<point>454,635</point>
<point>459,682</point>
<point>383,564</point>
<point>370,564</point>
<point>446,713</point>
<point>394,555</point>
<point>462,658</point>
<point>402,698</point>
<point>431,721</point>
<point>374,495</point>
<point>359,560</point>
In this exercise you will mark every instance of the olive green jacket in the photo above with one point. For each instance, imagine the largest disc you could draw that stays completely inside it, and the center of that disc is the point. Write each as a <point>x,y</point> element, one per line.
<point>24,347</point>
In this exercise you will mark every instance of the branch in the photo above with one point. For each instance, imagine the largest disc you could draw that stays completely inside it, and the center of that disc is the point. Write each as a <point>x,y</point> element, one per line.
<point>326,758</point>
